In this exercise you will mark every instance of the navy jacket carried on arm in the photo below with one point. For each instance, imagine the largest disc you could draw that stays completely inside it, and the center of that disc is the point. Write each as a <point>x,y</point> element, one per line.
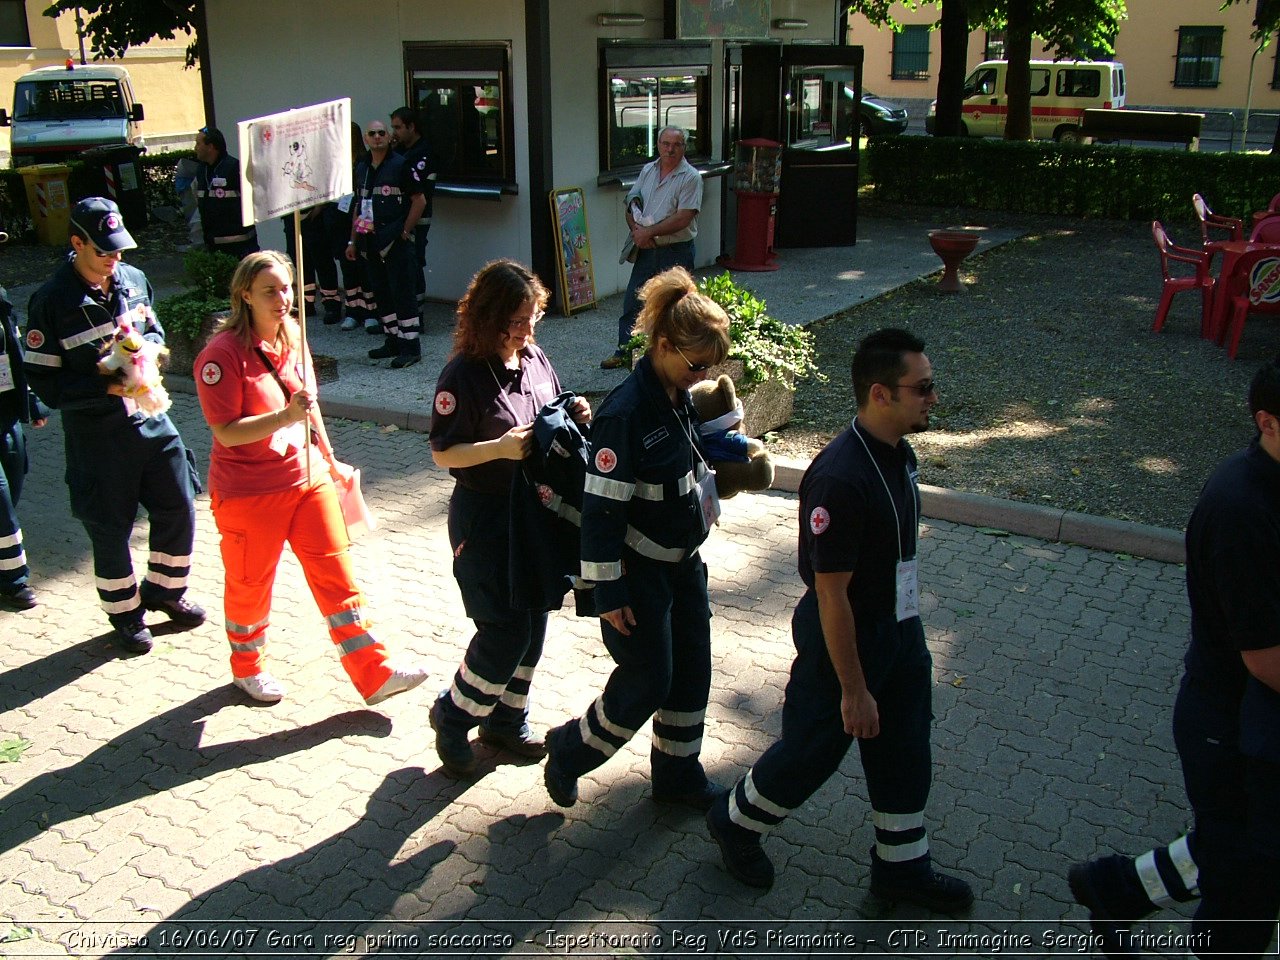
<point>640,492</point>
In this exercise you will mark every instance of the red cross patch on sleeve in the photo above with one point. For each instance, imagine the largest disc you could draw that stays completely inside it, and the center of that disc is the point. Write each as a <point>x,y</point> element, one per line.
<point>819,520</point>
<point>210,373</point>
<point>606,460</point>
<point>446,403</point>
<point>35,339</point>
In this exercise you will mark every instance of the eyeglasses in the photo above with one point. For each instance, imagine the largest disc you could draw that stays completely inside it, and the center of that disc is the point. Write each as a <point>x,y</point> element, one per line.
<point>693,367</point>
<point>377,133</point>
<point>924,389</point>
<point>531,320</point>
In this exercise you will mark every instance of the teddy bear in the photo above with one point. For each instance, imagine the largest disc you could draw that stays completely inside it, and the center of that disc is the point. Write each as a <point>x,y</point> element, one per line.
<point>740,462</point>
<point>133,362</point>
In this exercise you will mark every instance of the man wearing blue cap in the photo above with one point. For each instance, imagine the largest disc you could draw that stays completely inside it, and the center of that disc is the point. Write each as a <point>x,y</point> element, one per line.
<point>118,458</point>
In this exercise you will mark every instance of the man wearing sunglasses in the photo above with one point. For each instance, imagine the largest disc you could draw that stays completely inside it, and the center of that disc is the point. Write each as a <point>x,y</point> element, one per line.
<point>118,459</point>
<point>218,197</point>
<point>862,670</point>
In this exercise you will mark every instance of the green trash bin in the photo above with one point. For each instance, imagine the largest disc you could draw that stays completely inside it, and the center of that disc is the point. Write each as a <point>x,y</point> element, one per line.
<point>49,202</point>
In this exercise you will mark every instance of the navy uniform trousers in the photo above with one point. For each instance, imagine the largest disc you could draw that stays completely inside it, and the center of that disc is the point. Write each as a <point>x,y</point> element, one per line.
<point>897,763</point>
<point>491,688</point>
<point>116,462</point>
<point>663,671</point>
<point>1236,841</point>
<point>13,470</point>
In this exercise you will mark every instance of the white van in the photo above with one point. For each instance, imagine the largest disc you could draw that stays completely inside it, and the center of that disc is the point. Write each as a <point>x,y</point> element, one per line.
<point>1060,92</point>
<point>60,111</point>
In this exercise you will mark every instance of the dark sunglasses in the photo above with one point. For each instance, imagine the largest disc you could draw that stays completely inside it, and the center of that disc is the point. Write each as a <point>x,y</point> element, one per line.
<point>377,133</point>
<point>693,367</point>
<point>924,389</point>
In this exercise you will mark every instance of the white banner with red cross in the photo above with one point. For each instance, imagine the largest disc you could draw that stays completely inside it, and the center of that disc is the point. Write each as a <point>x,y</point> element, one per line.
<point>295,159</point>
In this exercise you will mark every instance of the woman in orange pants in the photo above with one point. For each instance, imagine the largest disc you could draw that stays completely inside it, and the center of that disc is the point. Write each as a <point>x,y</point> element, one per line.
<point>252,380</point>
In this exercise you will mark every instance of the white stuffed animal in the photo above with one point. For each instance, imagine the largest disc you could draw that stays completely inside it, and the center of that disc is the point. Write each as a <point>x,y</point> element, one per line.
<point>134,363</point>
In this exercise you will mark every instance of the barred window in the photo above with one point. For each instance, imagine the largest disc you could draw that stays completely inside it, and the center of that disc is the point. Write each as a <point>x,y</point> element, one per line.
<point>911,53</point>
<point>1199,60</point>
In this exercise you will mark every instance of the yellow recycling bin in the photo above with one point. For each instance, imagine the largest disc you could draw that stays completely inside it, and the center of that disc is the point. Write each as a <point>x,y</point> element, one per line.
<point>49,201</point>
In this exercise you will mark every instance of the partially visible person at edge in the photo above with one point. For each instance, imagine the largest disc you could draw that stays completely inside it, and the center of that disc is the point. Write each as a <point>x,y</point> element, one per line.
<point>1226,721</point>
<point>218,197</point>
<point>662,215</point>
<point>357,294</point>
<point>420,163</point>
<point>481,428</point>
<point>862,670</point>
<point>118,459</point>
<point>18,405</point>
<point>648,505</point>
<point>388,203</point>
<point>256,388</point>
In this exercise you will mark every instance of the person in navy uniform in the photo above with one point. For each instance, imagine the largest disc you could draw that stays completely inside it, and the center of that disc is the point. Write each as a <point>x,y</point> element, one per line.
<point>18,405</point>
<point>648,504</point>
<point>388,203</point>
<point>218,197</point>
<point>862,670</point>
<point>420,166</point>
<point>1226,720</point>
<point>117,458</point>
<point>481,428</point>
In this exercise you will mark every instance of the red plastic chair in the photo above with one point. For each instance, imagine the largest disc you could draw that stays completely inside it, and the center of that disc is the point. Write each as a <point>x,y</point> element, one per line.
<point>1172,284</point>
<point>1266,231</point>
<point>1254,287</point>
<point>1214,221</point>
<point>1273,208</point>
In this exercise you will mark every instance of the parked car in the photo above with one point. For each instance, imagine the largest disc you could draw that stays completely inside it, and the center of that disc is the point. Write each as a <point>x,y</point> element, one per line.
<point>877,116</point>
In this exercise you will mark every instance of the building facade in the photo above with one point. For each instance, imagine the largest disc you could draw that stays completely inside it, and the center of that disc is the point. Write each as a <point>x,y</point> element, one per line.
<point>1178,55</point>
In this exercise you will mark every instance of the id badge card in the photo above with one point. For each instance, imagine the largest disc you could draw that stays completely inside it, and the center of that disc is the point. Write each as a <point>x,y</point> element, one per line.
<point>906,590</point>
<point>294,435</point>
<point>708,501</point>
<point>344,202</point>
<point>364,222</point>
<point>6,373</point>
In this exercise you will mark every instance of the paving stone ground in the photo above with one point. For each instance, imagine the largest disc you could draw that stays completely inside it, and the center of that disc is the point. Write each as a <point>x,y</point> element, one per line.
<point>155,801</point>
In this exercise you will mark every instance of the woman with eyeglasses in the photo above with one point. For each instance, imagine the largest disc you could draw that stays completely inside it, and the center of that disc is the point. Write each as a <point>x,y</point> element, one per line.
<point>487,397</point>
<point>648,505</point>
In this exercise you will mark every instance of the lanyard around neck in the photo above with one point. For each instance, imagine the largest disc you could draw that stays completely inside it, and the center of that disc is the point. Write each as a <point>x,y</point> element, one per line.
<point>897,524</point>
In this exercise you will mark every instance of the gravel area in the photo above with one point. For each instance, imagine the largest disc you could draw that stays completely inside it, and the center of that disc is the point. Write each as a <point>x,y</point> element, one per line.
<point>1054,389</point>
<point>23,262</point>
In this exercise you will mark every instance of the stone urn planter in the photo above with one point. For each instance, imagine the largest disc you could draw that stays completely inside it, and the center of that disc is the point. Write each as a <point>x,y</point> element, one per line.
<point>952,246</point>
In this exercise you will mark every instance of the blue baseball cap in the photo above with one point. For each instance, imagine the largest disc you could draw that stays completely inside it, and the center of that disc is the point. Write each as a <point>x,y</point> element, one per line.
<point>99,219</point>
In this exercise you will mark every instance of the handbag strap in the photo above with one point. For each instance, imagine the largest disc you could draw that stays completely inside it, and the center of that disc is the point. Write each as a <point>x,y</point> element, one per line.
<point>266,362</point>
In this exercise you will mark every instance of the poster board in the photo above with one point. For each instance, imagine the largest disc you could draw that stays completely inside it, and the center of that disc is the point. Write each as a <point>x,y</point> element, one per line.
<point>573,250</point>
<point>294,159</point>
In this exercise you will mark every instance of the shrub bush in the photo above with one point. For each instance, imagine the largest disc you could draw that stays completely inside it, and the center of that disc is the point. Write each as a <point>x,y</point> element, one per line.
<point>1093,180</point>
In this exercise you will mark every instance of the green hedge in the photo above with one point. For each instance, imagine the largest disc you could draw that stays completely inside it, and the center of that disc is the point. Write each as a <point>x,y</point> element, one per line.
<point>157,174</point>
<point>1093,180</point>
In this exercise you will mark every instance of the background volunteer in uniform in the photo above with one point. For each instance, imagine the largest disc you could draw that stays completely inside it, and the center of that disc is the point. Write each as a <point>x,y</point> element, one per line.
<point>862,670</point>
<point>18,405</point>
<point>481,427</point>
<point>117,458</point>
<point>420,164</point>
<point>218,197</point>
<point>1226,720</point>
<point>388,202</point>
<point>649,503</point>
<point>261,494</point>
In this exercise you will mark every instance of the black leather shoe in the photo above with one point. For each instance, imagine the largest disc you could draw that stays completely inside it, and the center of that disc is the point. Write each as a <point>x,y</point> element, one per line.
<point>405,360</point>
<point>740,848</point>
<point>384,352</point>
<point>562,788</point>
<point>132,637</point>
<point>180,610</point>
<point>1111,929</point>
<point>700,799</point>
<point>18,598</point>
<point>934,891</point>
<point>452,747</point>
<point>522,742</point>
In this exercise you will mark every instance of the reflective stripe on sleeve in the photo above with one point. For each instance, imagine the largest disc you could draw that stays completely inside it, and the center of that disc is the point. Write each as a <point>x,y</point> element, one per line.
<point>642,545</point>
<point>42,359</point>
<point>611,489</point>
<point>601,571</point>
<point>88,336</point>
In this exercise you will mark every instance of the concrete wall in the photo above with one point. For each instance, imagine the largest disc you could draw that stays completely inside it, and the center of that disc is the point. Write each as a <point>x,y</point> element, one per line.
<point>169,92</point>
<point>1147,45</point>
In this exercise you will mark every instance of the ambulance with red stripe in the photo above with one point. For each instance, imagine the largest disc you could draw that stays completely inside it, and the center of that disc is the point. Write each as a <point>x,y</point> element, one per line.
<point>1060,92</point>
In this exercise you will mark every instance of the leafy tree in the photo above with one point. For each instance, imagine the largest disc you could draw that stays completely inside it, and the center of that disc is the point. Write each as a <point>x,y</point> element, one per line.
<point>1266,21</point>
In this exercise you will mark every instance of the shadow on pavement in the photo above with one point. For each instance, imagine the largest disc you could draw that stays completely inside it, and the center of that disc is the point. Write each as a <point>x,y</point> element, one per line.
<point>156,756</point>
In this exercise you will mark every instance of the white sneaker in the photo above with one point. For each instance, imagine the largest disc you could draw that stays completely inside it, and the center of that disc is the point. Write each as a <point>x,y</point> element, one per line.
<point>373,326</point>
<point>401,680</point>
<point>262,687</point>
<point>350,323</point>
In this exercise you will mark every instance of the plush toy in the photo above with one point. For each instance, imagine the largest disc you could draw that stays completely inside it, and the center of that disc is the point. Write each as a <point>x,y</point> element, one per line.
<point>134,363</point>
<point>740,462</point>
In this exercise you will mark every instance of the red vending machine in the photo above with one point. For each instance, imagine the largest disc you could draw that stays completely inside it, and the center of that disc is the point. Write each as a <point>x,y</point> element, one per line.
<point>757,171</point>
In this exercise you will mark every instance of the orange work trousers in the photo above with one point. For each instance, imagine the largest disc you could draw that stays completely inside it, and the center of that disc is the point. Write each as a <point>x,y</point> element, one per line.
<point>254,531</point>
